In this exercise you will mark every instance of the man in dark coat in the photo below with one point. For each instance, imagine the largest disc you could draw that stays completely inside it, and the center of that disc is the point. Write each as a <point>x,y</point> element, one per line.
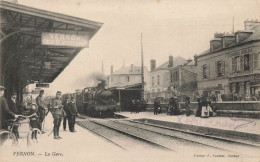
<point>14,107</point>
<point>4,112</point>
<point>72,113</point>
<point>41,109</point>
<point>65,103</point>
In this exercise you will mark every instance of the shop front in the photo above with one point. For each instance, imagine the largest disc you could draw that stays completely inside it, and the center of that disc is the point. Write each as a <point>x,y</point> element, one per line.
<point>245,85</point>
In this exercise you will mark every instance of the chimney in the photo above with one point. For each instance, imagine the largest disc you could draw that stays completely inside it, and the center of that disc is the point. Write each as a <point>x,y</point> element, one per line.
<point>250,24</point>
<point>195,60</point>
<point>215,44</point>
<point>170,61</point>
<point>227,40</point>
<point>111,69</point>
<point>153,65</point>
<point>132,67</point>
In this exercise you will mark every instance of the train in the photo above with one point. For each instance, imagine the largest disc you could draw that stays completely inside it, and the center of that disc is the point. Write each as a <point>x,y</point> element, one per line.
<point>96,101</point>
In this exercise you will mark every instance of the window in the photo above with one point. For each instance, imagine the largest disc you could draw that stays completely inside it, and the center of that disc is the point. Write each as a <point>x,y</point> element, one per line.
<point>127,78</point>
<point>236,64</point>
<point>158,79</point>
<point>152,80</point>
<point>205,71</point>
<point>171,77</point>
<point>220,68</point>
<point>175,76</point>
<point>256,60</point>
<point>246,62</point>
<point>111,79</point>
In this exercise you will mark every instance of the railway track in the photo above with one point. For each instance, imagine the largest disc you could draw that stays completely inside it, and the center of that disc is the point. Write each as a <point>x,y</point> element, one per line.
<point>124,141</point>
<point>132,135</point>
<point>229,145</point>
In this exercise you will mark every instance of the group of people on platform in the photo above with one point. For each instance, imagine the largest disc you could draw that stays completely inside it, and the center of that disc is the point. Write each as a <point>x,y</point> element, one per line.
<point>36,112</point>
<point>66,110</point>
<point>135,105</point>
<point>173,107</point>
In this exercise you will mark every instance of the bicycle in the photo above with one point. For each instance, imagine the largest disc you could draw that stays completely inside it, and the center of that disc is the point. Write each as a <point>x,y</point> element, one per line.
<point>8,133</point>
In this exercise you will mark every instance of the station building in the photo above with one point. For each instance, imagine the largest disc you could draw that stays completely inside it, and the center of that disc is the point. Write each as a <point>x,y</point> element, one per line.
<point>127,83</point>
<point>231,64</point>
<point>37,45</point>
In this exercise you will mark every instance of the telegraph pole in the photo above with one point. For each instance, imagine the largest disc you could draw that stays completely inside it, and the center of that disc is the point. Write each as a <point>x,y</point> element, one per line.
<point>142,67</point>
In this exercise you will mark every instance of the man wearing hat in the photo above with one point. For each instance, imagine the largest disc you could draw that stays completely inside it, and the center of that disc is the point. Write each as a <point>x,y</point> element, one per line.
<point>4,111</point>
<point>72,113</point>
<point>41,109</point>
<point>14,107</point>
<point>66,107</point>
<point>57,114</point>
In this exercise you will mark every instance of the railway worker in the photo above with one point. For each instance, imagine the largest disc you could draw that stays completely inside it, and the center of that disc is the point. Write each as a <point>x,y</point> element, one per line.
<point>41,109</point>
<point>57,114</point>
<point>72,113</point>
<point>4,112</point>
<point>65,103</point>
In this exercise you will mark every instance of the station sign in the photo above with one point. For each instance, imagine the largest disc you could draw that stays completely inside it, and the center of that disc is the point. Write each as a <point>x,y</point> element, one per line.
<point>62,39</point>
<point>44,85</point>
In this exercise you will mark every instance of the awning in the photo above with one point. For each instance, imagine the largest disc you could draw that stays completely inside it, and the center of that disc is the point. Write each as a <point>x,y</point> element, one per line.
<point>30,58</point>
<point>137,86</point>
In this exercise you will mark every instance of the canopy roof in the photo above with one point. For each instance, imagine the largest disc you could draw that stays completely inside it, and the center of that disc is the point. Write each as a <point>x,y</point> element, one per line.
<point>25,56</point>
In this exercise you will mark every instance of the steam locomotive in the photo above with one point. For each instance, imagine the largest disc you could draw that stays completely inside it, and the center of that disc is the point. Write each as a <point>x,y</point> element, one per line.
<point>97,101</point>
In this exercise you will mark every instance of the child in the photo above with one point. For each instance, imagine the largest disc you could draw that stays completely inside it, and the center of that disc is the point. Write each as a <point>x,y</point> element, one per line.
<point>34,120</point>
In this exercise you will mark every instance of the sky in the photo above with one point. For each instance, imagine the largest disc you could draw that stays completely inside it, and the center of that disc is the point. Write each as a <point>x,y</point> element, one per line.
<point>169,27</point>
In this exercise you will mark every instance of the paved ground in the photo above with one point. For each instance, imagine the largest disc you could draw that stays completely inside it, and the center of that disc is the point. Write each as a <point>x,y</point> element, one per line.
<point>86,146</point>
<point>227,123</point>
<point>79,146</point>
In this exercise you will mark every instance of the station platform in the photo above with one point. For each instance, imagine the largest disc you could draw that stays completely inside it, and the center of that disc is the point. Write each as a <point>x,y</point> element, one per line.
<point>79,146</point>
<point>85,146</point>
<point>225,127</point>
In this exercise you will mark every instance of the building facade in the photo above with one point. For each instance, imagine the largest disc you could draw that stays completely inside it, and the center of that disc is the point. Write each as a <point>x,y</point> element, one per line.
<point>183,79</point>
<point>160,78</point>
<point>231,65</point>
<point>127,76</point>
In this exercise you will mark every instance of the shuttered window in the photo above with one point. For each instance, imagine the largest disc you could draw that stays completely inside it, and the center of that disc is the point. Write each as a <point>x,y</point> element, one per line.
<point>241,63</point>
<point>234,65</point>
<point>256,60</point>
<point>205,71</point>
<point>251,61</point>
<point>220,68</point>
